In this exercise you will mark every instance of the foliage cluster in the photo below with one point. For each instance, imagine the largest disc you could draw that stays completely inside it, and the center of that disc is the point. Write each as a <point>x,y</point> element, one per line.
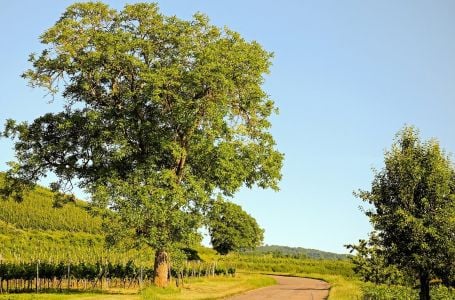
<point>392,292</point>
<point>371,265</point>
<point>231,228</point>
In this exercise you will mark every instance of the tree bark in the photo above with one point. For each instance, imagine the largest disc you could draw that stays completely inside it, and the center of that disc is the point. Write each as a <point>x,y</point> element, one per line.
<point>424,286</point>
<point>161,269</point>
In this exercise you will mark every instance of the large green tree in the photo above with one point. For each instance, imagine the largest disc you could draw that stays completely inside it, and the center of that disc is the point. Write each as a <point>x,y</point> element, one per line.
<point>160,116</point>
<point>231,228</point>
<point>413,208</point>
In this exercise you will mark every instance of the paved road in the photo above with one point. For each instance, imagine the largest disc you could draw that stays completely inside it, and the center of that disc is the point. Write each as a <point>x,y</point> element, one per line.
<point>289,288</point>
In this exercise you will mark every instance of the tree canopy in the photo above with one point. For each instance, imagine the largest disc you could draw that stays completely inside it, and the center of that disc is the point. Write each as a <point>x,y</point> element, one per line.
<point>413,213</point>
<point>160,116</point>
<point>231,228</point>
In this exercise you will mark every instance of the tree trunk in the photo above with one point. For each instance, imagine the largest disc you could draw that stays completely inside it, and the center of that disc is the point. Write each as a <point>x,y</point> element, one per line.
<point>424,286</point>
<point>161,269</point>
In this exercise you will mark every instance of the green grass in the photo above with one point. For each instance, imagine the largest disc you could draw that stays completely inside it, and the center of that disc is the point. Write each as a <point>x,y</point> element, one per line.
<point>210,288</point>
<point>341,288</point>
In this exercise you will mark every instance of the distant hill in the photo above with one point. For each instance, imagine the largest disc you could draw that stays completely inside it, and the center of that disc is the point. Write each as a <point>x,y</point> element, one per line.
<point>298,252</point>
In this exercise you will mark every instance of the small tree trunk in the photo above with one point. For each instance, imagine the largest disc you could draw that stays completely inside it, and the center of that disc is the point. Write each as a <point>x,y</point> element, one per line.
<point>424,286</point>
<point>161,268</point>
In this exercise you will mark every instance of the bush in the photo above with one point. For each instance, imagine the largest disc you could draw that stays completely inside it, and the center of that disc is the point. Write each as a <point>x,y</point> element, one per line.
<point>392,292</point>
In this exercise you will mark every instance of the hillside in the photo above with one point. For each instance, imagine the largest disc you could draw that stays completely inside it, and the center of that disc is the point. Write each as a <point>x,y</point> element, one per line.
<point>34,229</point>
<point>36,211</point>
<point>298,252</point>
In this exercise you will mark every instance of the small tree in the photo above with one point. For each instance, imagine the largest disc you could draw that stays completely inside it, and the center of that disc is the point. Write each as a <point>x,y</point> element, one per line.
<point>413,213</point>
<point>371,265</point>
<point>160,116</point>
<point>231,228</point>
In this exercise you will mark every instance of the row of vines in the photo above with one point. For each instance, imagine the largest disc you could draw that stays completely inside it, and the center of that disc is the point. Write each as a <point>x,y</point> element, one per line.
<point>73,217</point>
<point>271,263</point>
<point>37,212</point>
<point>38,276</point>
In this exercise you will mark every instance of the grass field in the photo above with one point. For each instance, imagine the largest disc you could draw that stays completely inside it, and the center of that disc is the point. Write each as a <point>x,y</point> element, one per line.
<point>341,288</point>
<point>211,288</point>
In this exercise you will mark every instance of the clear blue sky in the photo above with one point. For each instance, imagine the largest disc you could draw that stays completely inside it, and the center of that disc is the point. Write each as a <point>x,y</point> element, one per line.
<point>347,75</point>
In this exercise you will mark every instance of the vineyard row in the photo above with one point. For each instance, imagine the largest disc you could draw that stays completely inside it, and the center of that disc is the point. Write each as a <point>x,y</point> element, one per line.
<point>36,276</point>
